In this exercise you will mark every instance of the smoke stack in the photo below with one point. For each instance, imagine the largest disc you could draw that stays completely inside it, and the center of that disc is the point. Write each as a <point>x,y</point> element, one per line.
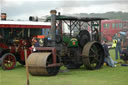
<point>53,25</point>
<point>33,18</point>
<point>58,13</point>
<point>3,16</point>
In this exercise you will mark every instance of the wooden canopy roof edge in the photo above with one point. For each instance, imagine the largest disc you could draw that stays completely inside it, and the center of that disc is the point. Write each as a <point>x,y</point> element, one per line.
<point>86,19</point>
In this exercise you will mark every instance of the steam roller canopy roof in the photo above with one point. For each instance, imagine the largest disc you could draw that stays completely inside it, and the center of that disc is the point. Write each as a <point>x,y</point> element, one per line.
<point>85,19</point>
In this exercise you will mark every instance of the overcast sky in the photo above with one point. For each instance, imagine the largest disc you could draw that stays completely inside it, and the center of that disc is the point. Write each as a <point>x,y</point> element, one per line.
<point>22,9</point>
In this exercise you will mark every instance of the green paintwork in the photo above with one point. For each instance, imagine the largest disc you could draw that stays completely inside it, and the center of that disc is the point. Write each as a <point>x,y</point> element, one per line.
<point>71,42</point>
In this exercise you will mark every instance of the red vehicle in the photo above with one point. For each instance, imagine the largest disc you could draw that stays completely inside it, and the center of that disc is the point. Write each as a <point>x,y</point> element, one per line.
<point>110,27</point>
<point>15,37</point>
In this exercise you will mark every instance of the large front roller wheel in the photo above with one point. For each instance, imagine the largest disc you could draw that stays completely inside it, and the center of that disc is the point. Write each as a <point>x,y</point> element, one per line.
<point>8,61</point>
<point>38,64</point>
<point>93,55</point>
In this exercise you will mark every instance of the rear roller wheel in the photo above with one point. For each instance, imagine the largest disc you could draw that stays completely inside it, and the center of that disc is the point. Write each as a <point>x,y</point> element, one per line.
<point>8,61</point>
<point>38,64</point>
<point>93,55</point>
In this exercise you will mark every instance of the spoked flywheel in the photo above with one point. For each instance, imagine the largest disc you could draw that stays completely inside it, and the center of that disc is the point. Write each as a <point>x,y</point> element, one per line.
<point>8,61</point>
<point>93,55</point>
<point>83,37</point>
<point>38,64</point>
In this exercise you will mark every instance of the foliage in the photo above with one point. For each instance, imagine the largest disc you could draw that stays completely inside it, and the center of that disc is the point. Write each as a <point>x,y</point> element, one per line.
<point>110,15</point>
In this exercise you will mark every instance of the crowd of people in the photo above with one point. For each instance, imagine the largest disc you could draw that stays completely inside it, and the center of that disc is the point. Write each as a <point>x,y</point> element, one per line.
<point>121,51</point>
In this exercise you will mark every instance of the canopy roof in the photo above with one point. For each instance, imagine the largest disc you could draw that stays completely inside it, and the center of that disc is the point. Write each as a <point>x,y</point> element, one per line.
<point>85,19</point>
<point>24,24</point>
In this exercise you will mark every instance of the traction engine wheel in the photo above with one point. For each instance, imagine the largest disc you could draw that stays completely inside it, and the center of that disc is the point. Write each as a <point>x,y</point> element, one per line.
<point>93,55</point>
<point>8,61</point>
<point>38,64</point>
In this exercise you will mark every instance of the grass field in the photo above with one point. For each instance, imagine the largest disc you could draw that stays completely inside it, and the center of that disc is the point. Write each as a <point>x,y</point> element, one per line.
<point>105,76</point>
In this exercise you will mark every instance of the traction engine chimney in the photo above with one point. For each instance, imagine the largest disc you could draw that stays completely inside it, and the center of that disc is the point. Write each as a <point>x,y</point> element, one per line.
<point>53,25</point>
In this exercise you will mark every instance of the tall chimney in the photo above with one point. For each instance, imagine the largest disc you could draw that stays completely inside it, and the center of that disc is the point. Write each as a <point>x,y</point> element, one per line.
<point>53,25</point>
<point>3,16</point>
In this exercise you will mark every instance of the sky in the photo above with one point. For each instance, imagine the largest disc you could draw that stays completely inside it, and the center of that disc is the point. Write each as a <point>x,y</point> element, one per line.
<point>22,9</point>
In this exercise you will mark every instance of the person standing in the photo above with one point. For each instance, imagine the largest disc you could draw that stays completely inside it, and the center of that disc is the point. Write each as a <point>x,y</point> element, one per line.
<point>35,44</point>
<point>108,58</point>
<point>118,46</point>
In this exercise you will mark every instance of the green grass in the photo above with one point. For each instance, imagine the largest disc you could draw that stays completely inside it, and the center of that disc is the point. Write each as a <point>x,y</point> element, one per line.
<point>105,76</point>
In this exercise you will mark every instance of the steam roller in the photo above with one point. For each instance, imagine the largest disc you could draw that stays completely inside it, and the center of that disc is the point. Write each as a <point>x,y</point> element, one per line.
<point>43,64</point>
<point>83,48</point>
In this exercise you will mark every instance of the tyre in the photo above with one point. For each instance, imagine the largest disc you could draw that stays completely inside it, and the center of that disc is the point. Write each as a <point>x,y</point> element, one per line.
<point>8,61</point>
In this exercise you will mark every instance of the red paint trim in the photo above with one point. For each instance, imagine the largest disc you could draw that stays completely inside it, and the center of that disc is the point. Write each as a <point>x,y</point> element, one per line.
<point>54,55</point>
<point>3,45</point>
<point>24,26</point>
